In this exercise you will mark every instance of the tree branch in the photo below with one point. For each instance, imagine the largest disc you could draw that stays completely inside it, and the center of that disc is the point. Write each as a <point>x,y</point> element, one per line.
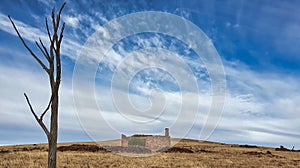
<point>48,31</point>
<point>31,52</point>
<point>61,8</point>
<point>61,34</point>
<point>31,109</point>
<point>45,49</point>
<point>59,13</point>
<point>43,52</point>
<point>43,126</point>
<point>53,21</point>
<point>58,42</point>
<point>45,111</point>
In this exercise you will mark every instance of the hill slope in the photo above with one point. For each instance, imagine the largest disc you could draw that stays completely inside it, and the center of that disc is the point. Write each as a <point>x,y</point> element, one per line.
<point>186,153</point>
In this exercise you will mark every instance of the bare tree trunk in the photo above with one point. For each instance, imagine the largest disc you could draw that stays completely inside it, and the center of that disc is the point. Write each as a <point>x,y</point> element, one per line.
<point>52,153</point>
<point>54,73</point>
<point>52,141</point>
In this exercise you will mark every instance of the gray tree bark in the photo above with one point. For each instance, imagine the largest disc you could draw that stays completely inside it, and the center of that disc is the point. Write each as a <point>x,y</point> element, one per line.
<point>53,71</point>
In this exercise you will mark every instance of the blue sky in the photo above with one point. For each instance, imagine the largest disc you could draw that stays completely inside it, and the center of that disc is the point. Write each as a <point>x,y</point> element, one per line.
<point>257,42</point>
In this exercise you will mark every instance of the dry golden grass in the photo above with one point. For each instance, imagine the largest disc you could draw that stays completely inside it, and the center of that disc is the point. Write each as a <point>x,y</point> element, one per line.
<point>206,154</point>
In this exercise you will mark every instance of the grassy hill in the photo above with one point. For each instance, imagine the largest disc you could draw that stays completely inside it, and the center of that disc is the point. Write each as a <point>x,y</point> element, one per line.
<point>186,153</point>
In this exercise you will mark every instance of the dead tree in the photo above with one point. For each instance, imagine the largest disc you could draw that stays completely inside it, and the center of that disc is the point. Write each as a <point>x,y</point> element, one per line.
<point>53,70</point>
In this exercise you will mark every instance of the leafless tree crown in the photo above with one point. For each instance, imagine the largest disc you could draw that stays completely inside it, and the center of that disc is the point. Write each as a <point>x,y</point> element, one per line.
<point>52,66</point>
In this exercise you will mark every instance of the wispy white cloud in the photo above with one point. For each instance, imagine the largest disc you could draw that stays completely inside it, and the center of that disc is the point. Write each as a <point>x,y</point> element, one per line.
<point>262,104</point>
<point>29,33</point>
<point>72,21</point>
<point>70,47</point>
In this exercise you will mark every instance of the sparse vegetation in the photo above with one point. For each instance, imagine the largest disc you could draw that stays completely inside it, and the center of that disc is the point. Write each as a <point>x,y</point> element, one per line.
<point>203,154</point>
